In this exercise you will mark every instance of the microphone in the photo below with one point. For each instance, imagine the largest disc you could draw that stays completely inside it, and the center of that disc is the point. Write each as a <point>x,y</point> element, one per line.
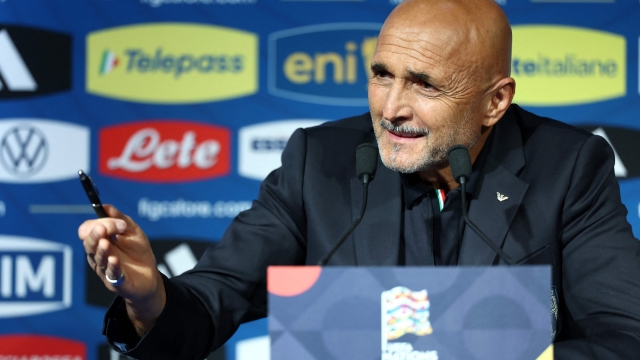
<point>366,164</point>
<point>460,164</point>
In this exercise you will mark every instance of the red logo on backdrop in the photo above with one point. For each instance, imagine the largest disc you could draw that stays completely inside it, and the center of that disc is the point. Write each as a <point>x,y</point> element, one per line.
<point>41,347</point>
<point>164,151</point>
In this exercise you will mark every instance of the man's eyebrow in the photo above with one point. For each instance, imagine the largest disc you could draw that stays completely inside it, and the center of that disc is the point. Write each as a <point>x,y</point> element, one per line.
<point>420,76</point>
<point>378,68</point>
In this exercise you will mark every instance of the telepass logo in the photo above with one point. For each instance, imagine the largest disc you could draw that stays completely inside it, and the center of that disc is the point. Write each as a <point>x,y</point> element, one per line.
<point>164,151</point>
<point>172,63</point>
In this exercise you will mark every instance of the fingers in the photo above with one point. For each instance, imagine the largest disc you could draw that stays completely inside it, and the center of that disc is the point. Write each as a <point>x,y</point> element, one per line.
<point>92,262</point>
<point>115,213</point>
<point>92,231</point>
<point>96,236</point>
<point>101,228</point>
<point>103,251</point>
<point>114,271</point>
<point>107,264</point>
<point>123,263</point>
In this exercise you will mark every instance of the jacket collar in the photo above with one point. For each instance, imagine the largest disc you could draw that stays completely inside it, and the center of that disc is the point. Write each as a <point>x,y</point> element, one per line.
<point>499,177</point>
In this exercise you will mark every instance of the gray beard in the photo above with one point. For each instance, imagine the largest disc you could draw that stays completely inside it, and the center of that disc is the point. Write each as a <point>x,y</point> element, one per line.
<point>437,155</point>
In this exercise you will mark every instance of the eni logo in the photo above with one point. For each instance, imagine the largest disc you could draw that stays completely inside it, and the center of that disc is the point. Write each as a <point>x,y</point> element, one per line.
<point>562,65</point>
<point>172,63</point>
<point>323,64</point>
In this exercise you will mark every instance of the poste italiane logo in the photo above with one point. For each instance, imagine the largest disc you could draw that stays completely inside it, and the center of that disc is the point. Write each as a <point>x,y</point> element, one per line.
<point>323,64</point>
<point>172,63</point>
<point>562,65</point>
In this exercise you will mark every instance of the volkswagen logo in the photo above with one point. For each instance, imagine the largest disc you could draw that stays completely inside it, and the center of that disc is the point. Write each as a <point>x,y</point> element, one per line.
<point>23,150</point>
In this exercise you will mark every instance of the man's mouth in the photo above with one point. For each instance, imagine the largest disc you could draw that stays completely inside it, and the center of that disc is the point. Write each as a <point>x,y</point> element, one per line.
<point>405,135</point>
<point>403,131</point>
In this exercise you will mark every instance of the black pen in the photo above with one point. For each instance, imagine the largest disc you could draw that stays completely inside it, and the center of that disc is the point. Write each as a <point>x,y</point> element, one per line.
<point>92,193</point>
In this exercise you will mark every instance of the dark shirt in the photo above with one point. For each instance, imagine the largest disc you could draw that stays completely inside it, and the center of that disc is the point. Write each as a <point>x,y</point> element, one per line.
<point>432,236</point>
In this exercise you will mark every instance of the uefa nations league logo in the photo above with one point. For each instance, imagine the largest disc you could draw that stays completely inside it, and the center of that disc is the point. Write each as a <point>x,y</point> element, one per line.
<point>405,312</point>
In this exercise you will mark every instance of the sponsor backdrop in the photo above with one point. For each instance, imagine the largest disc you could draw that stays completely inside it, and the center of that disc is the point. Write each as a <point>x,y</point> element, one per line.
<point>178,108</point>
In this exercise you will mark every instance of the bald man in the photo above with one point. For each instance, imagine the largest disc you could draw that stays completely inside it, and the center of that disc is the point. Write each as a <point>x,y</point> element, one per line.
<point>440,77</point>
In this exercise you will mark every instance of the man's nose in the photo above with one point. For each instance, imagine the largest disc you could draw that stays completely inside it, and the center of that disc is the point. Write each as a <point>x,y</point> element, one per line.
<point>397,105</point>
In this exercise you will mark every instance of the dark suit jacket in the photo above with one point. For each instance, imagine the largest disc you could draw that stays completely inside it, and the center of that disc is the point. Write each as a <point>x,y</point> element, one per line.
<point>563,209</point>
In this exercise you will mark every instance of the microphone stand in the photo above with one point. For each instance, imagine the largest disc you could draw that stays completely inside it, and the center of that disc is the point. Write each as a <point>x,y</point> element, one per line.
<point>365,187</point>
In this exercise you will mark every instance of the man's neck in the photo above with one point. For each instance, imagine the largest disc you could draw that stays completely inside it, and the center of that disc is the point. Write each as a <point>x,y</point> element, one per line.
<point>439,176</point>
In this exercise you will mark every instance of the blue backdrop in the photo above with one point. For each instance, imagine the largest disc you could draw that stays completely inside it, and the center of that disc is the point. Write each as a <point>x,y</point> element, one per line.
<point>178,108</point>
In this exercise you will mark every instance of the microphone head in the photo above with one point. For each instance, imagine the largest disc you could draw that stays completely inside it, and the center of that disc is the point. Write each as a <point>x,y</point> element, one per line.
<point>366,160</point>
<point>459,162</point>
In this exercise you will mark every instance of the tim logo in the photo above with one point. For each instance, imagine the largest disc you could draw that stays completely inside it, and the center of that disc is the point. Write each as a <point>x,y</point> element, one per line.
<point>260,146</point>
<point>164,151</point>
<point>405,312</point>
<point>35,276</point>
<point>38,150</point>
<point>324,64</point>
<point>33,62</point>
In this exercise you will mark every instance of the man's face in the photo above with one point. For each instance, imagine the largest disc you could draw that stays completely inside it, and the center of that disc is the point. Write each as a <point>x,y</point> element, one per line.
<point>423,97</point>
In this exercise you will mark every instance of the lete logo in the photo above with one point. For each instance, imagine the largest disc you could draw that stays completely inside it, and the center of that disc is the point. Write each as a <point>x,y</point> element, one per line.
<point>164,151</point>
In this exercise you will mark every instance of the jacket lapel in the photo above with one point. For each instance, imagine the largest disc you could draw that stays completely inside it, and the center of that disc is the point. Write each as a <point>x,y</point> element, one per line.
<point>498,175</point>
<point>377,238</point>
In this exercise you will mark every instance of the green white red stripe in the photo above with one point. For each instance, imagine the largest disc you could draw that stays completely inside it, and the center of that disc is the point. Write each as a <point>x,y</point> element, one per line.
<point>108,63</point>
<point>442,197</point>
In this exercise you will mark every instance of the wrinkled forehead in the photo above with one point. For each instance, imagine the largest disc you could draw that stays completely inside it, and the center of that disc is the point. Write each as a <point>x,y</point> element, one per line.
<point>425,37</point>
<point>449,47</point>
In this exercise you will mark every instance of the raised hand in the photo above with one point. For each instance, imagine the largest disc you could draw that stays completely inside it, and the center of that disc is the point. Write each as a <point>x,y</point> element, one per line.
<point>127,267</point>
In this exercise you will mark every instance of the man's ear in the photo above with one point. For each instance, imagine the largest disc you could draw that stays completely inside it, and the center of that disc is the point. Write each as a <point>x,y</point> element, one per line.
<point>500,98</point>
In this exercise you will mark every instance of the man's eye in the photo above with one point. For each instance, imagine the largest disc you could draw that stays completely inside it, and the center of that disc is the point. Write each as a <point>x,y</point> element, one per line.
<point>426,85</point>
<point>381,74</point>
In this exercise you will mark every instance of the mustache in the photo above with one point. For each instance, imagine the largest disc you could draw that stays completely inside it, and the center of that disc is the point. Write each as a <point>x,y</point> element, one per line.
<point>389,126</point>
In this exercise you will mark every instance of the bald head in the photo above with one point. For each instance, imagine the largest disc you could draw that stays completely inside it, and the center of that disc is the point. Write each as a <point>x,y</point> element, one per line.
<point>473,34</point>
<point>439,77</point>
